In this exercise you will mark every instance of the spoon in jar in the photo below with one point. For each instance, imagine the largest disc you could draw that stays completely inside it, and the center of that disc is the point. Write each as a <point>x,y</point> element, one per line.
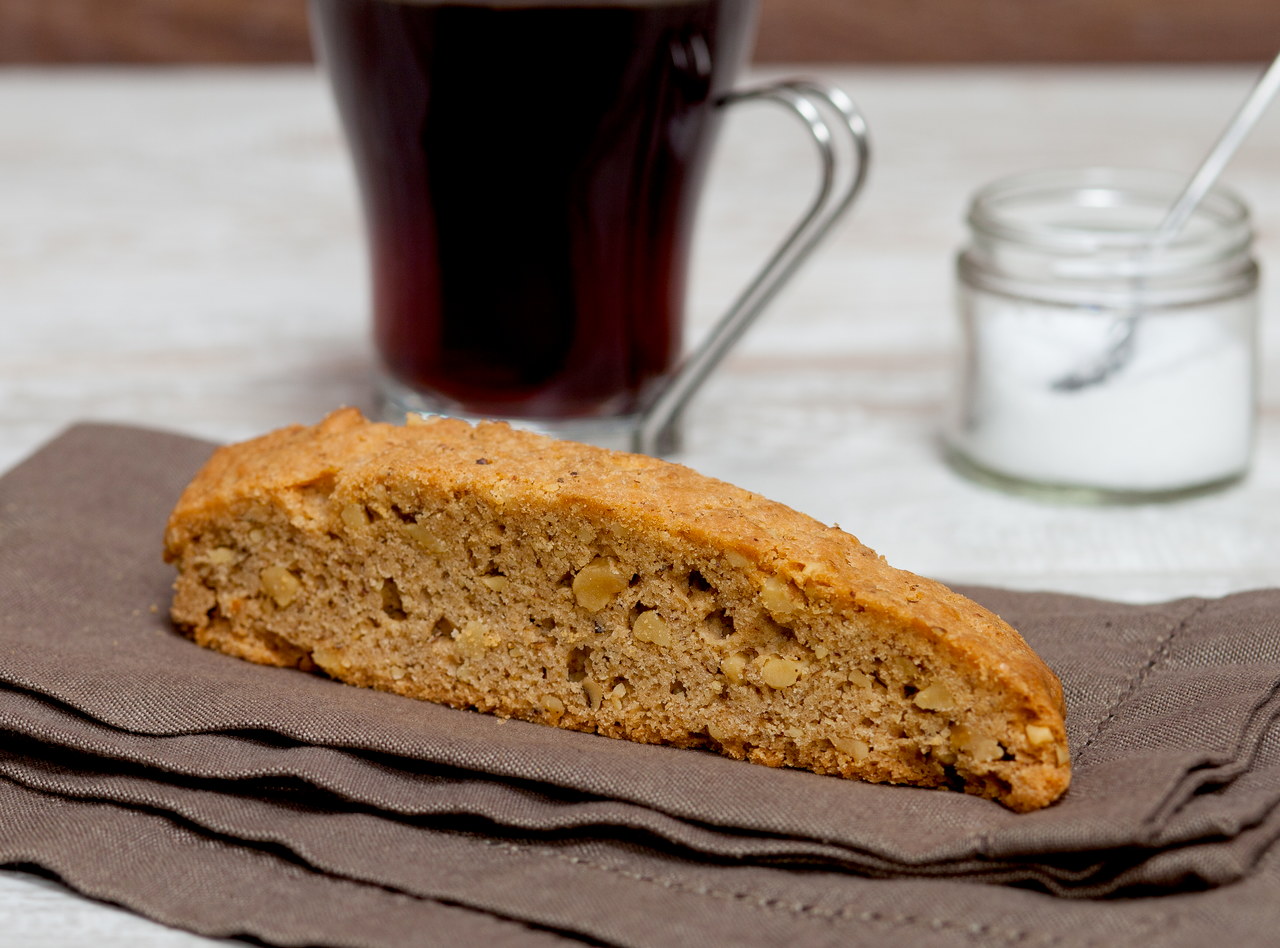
<point>1125,328</point>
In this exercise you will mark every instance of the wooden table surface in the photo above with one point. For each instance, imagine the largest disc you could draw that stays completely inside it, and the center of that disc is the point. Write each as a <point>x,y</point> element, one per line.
<point>181,249</point>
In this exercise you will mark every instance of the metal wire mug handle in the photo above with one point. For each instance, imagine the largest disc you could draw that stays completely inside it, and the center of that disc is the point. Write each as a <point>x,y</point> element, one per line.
<point>657,432</point>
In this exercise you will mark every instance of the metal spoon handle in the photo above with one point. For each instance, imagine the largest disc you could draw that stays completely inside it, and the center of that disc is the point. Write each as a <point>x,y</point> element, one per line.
<point>1221,154</point>
<point>1123,330</point>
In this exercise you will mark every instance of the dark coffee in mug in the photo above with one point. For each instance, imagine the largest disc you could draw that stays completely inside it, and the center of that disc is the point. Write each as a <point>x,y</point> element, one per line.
<point>529,174</point>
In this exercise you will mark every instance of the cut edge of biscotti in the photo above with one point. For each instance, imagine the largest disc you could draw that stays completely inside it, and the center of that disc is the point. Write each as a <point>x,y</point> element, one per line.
<point>489,568</point>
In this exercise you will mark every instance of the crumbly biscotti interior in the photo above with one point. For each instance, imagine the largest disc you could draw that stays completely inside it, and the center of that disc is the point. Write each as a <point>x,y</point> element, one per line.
<point>567,588</point>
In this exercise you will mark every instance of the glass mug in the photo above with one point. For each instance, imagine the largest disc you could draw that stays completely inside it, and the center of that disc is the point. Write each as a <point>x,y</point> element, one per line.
<point>529,172</point>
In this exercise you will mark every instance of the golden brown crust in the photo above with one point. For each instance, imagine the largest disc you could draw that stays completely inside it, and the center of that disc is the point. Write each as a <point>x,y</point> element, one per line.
<point>823,593</point>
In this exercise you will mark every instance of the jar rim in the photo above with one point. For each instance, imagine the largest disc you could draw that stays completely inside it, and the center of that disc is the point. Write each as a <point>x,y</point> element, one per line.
<point>1013,208</point>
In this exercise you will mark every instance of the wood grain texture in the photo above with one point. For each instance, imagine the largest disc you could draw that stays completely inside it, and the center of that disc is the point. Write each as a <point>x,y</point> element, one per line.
<point>153,31</point>
<point>836,31</point>
<point>955,31</point>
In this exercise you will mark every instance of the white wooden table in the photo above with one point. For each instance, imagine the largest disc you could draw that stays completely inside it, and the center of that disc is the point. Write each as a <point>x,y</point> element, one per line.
<point>181,249</point>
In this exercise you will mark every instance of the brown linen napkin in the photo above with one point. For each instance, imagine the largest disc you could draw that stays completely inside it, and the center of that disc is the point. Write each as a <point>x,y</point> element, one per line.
<point>115,730</point>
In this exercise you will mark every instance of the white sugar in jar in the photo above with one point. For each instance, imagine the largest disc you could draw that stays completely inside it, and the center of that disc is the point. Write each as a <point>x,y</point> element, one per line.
<point>1095,366</point>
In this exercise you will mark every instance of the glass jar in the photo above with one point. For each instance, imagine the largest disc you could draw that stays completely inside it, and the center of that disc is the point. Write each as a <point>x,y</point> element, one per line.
<point>1096,365</point>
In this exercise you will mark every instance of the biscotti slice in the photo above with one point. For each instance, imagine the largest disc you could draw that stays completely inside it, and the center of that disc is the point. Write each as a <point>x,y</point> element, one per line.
<point>495,569</point>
